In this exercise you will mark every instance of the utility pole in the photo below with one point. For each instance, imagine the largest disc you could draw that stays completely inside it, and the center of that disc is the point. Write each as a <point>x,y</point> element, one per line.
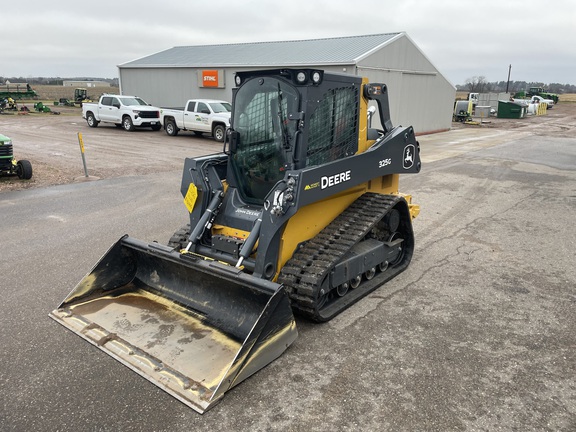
<point>508,82</point>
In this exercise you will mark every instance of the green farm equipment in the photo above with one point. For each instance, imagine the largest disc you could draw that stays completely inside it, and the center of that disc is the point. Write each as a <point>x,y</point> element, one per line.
<point>462,111</point>
<point>17,91</point>
<point>80,96</point>
<point>66,102</point>
<point>8,104</point>
<point>9,166</point>
<point>537,91</point>
<point>40,107</point>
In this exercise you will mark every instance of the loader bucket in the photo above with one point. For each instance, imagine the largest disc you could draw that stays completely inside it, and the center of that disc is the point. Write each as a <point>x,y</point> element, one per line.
<point>195,328</point>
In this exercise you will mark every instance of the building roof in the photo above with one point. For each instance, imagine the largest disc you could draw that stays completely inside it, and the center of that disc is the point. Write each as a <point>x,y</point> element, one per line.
<point>329,51</point>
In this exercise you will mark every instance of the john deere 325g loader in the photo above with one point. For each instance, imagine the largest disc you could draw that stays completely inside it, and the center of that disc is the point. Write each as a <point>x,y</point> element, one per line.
<point>300,212</point>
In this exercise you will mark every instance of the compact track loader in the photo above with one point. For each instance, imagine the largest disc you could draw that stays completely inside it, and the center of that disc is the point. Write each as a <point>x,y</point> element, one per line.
<point>300,212</point>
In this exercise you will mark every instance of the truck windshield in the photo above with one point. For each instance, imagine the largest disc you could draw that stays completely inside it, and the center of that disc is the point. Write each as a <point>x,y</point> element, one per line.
<point>260,118</point>
<point>220,107</point>
<point>131,101</point>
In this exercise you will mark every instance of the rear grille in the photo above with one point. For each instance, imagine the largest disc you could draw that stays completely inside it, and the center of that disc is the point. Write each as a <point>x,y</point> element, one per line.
<point>6,151</point>
<point>150,114</point>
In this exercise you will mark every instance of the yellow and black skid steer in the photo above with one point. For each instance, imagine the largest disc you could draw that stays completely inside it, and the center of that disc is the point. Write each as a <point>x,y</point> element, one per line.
<point>299,213</point>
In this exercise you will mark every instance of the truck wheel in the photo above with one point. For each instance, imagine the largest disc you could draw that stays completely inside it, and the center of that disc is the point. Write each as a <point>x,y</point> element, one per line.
<point>219,133</point>
<point>127,124</point>
<point>156,127</point>
<point>24,169</point>
<point>171,128</point>
<point>91,120</point>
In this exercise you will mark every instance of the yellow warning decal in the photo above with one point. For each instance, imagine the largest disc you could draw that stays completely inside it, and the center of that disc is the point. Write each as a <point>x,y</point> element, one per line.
<point>312,186</point>
<point>191,196</point>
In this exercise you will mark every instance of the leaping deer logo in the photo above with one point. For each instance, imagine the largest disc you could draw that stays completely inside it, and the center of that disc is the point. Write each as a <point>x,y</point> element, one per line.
<point>408,156</point>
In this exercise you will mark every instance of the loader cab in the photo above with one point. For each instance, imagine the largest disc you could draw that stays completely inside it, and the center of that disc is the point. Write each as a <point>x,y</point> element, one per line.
<point>289,119</point>
<point>263,135</point>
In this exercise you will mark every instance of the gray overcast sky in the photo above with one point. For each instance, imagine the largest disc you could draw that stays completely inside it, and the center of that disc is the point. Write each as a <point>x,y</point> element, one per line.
<point>69,38</point>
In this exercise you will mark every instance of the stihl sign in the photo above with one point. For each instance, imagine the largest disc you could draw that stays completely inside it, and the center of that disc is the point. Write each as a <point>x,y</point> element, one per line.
<point>210,78</point>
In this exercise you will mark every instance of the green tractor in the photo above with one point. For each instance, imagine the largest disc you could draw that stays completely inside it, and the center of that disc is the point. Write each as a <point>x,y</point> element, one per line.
<point>537,91</point>
<point>80,96</point>
<point>9,166</point>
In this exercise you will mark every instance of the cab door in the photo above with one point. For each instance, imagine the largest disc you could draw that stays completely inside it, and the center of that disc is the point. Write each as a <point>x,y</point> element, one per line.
<point>104,108</point>
<point>199,119</point>
<point>109,109</point>
<point>115,114</point>
<point>188,118</point>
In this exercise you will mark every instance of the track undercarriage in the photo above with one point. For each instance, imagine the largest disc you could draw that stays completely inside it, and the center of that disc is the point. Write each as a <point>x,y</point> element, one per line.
<point>366,245</point>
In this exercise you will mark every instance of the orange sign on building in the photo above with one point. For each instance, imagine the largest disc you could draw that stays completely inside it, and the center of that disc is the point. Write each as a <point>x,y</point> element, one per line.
<point>209,78</point>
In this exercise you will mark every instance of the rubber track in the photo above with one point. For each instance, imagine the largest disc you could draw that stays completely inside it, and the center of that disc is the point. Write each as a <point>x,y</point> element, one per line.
<point>305,272</point>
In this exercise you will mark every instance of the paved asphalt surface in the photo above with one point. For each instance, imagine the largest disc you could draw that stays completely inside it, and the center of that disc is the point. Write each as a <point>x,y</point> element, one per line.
<point>478,334</point>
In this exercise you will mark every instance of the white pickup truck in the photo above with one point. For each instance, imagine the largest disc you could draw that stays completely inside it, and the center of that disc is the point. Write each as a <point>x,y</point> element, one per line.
<point>127,112</point>
<point>199,116</point>
<point>540,99</point>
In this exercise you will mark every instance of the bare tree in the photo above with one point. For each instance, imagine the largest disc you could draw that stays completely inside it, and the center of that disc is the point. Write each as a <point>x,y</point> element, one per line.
<point>477,84</point>
<point>514,86</point>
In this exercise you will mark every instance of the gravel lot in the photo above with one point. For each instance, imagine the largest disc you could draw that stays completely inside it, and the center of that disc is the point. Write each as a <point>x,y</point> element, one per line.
<point>50,142</point>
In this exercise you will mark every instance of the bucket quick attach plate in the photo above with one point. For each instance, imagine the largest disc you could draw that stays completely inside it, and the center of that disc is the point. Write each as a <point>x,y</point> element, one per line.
<point>194,328</point>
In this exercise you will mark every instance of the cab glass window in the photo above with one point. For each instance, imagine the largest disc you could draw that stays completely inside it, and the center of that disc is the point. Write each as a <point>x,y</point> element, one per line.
<point>333,127</point>
<point>261,120</point>
<point>202,108</point>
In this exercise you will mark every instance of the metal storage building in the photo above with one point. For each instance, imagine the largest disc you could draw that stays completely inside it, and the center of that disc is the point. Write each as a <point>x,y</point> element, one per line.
<point>74,83</point>
<point>419,95</point>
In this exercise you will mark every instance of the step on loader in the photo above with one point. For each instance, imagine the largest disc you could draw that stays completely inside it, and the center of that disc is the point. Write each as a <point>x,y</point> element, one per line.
<point>299,213</point>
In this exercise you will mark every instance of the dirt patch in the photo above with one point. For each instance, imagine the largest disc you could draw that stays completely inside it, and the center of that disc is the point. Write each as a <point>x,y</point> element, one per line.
<point>46,172</point>
<point>43,175</point>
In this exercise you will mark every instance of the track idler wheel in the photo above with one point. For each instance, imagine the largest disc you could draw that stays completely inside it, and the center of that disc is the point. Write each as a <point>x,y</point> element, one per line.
<point>370,273</point>
<point>355,283</point>
<point>400,255</point>
<point>342,289</point>
<point>383,266</point>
